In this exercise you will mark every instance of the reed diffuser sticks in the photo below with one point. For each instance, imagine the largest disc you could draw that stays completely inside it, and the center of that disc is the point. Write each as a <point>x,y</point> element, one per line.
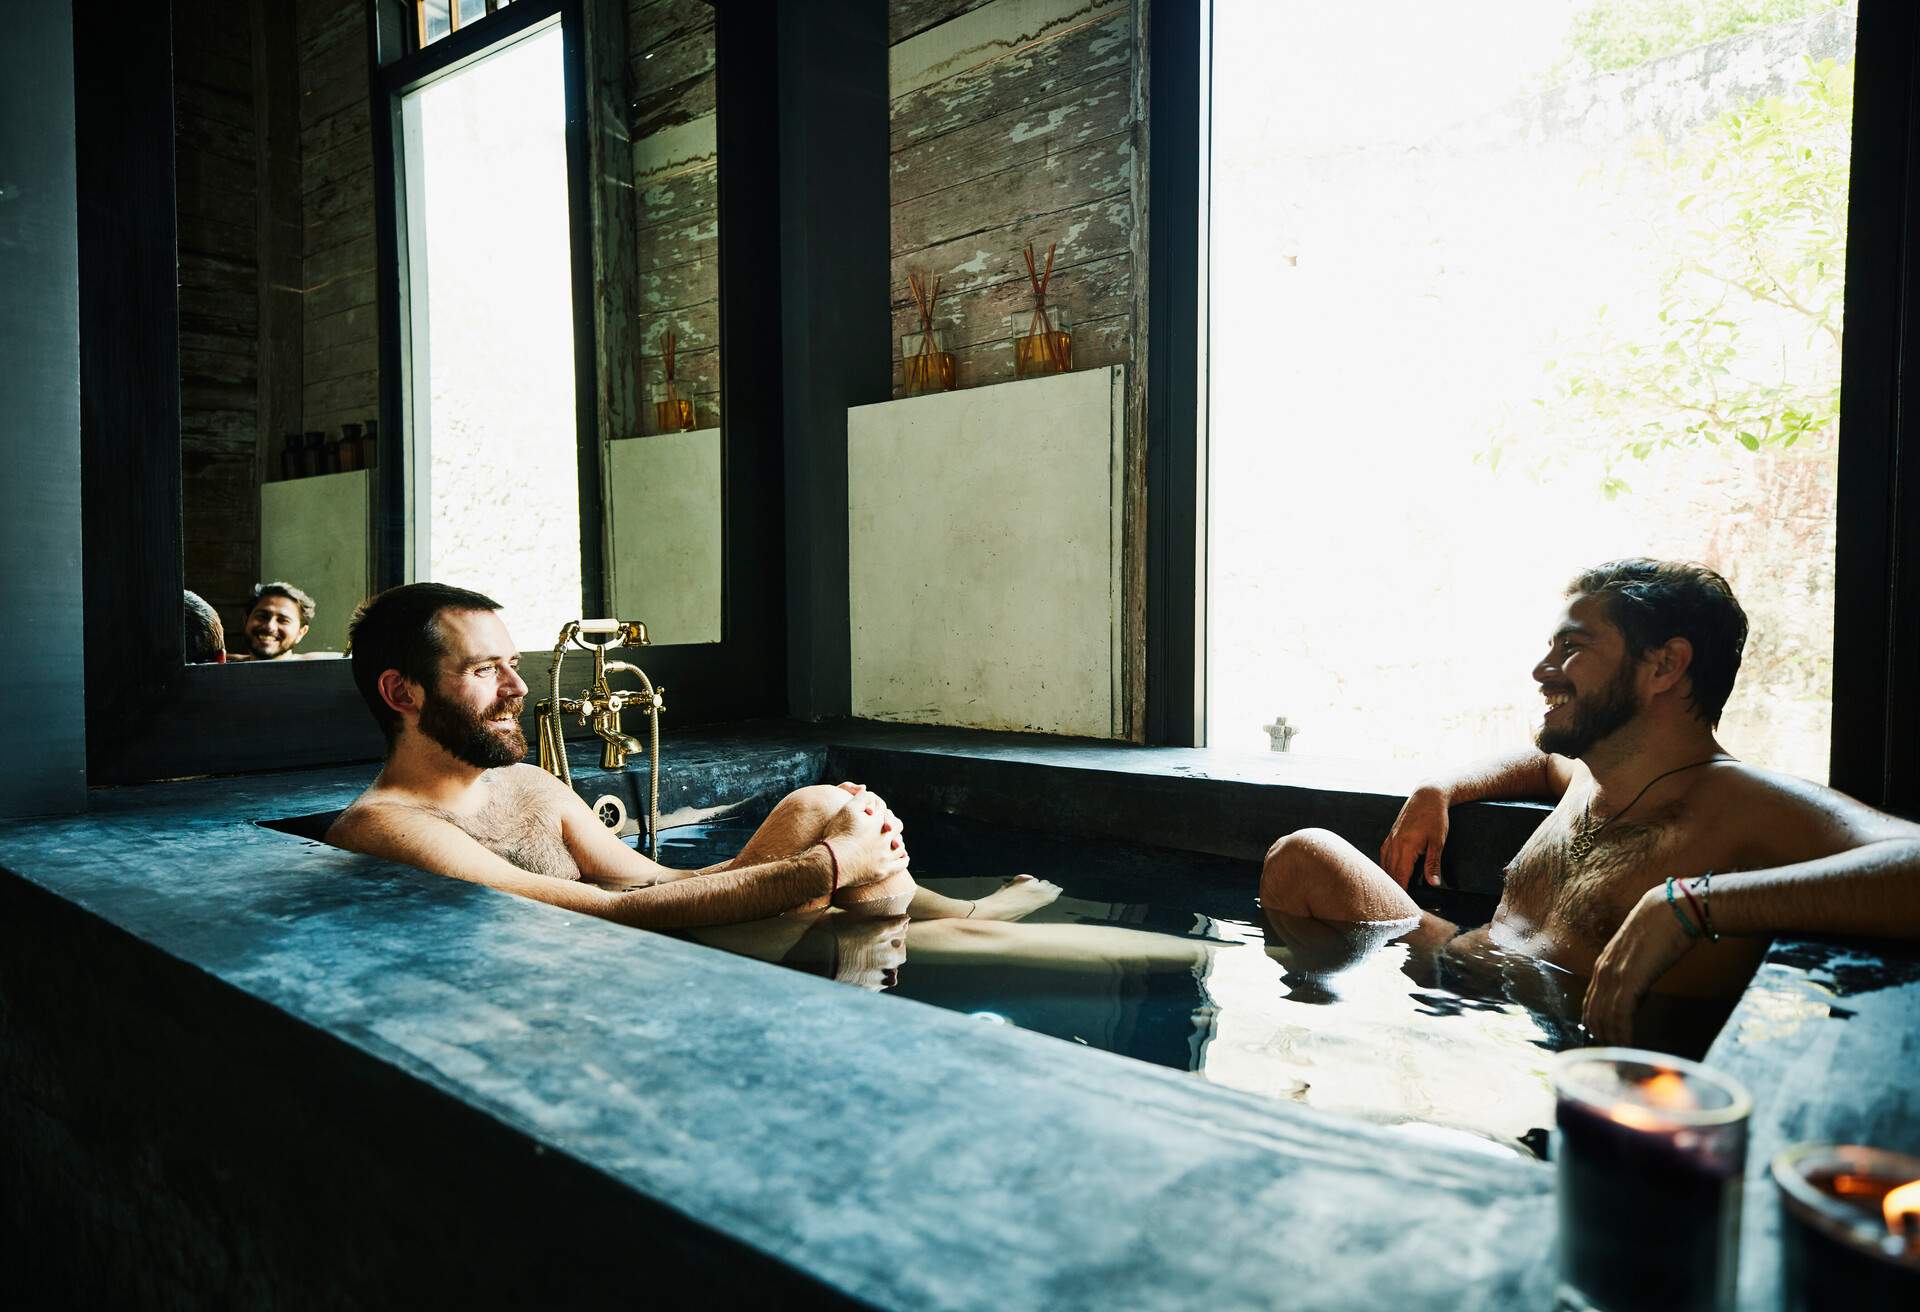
<point>928,367</point>
<point>1046,344</point>
<point>673,413</point>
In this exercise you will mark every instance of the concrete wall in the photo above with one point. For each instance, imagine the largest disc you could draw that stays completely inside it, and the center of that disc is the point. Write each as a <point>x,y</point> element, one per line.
<point>40,620</point>
<point>664,504</point>
<point>984,556</point>
<point>314,531</point>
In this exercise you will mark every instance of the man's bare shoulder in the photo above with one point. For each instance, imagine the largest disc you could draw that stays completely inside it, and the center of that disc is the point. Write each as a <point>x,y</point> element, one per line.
<point>376,812</point>
<point>1782,818</point>
<point>532,779</point>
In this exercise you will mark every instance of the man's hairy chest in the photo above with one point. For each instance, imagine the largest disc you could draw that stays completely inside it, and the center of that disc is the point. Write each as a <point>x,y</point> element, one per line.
<point>517,825</point>
<point>1585,897</point>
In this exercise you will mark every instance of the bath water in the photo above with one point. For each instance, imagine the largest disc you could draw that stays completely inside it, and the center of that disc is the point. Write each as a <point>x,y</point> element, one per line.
<point>1163,956</point>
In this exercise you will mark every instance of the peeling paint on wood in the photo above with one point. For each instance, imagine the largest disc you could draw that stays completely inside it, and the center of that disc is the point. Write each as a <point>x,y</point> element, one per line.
<point>338,280</point>
<point>676,200</point>
<point>984,36</point>
<point>1020,122</point>
<point>680,149</point>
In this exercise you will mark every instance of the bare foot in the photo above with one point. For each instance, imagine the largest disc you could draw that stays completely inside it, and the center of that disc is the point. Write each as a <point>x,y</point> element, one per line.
<point>1019,898</point>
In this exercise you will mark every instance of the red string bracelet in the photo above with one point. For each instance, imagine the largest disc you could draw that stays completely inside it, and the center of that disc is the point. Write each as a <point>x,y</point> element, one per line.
<point>835,859</point>
<point>1699,915</point>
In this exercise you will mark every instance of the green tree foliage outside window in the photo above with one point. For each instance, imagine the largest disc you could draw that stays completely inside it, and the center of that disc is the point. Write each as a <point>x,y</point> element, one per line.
<point>1609,35</point>
<point>1761,201</point>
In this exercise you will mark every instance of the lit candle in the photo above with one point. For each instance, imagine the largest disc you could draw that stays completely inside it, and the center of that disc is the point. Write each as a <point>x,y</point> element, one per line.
<point>1650,1150</point>
<point>1849,1227</point>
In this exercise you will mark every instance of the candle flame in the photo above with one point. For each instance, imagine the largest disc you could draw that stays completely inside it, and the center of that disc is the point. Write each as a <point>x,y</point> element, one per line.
<point>1902,1206</point>
<point>1668,1091</point>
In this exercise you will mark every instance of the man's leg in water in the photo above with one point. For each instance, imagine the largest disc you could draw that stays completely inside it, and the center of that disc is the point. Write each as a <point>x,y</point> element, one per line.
<point>1101,949</point>
<point>1318,890</point>
<point>800,820</point>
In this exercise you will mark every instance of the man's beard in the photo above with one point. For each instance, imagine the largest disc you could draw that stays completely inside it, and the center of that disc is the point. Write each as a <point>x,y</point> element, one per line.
<point>1595,716</point>
<point>470,738</point>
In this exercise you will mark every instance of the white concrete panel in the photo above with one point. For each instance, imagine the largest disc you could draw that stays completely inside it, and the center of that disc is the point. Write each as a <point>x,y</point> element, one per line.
<point>984,556</point>
<point>664,506</point>
<point>313,534</point>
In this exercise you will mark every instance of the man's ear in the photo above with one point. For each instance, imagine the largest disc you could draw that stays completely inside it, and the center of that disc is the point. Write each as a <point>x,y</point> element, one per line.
<point>1669,663</point>
<point>400,693</point>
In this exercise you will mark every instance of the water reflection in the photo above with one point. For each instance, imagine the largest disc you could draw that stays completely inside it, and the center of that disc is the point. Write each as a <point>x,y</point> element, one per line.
<point>1396,1035</point>
<point>864,951</point>
<point>1147,954</point>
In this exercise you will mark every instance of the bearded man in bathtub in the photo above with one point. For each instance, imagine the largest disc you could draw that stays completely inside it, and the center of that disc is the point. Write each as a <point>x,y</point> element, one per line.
<point>1666,863</point>
<point>439,672</point>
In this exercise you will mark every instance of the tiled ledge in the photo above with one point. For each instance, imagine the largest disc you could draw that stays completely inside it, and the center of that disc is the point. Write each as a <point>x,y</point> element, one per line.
<point>210,1027</point>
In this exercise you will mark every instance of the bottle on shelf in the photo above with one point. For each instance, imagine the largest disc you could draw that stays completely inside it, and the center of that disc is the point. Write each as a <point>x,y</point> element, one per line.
<point>370,445</point>
<point>315,461</point>
<point>292,456</point>
<point>349,447</point>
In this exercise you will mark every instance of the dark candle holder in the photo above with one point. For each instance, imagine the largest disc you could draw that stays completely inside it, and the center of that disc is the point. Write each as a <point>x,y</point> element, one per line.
<point>1838,1246</point>
<point>1650,1150</point>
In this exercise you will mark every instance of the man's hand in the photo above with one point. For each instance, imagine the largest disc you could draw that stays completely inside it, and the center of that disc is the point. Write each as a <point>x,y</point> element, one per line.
<point>1643,949</point>
<point>866,839</point>
<point>1419,830</point>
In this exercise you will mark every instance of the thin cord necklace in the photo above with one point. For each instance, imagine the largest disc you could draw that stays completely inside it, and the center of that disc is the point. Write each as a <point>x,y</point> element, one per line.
<point>1580,845</point>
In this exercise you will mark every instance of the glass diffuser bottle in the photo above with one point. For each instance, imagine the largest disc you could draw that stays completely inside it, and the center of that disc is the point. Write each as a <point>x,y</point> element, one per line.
<point>1042,336</point>
<point>924,359</point>
<point>672,411</point>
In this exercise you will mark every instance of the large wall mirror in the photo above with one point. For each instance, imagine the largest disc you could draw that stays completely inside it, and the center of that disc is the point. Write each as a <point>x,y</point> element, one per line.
<point>532,307</point>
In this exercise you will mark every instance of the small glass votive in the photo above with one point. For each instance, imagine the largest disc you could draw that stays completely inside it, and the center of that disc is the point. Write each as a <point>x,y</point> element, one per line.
<point>672,409</point>
<point>926,363</point>
<point>1042,340</point>
<point>1849,1228</point>
<point>1650,1150</point>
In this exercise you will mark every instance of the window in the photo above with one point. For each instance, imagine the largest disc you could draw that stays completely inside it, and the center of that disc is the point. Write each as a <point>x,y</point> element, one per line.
<point>1497,293</point>
<point>434,19</point>
<point>495,446</point>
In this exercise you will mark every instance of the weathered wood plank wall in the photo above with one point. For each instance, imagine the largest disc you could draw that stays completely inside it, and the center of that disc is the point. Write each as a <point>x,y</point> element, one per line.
<point>340,320</point>
<point>677,230</point>
<point>1017,122</point>
<point>216,150</point>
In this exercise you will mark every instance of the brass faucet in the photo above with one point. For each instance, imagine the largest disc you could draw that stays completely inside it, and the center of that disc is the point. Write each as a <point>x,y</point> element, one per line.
<point>600,706</point>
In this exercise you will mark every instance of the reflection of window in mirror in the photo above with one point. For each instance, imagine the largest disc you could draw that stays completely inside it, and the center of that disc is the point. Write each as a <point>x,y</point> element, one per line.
<point>278,336</point>
<point>495,456</point>
<point>664,495</point>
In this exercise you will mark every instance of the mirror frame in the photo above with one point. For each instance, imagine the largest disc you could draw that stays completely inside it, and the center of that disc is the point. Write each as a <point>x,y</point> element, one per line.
<point>151,716</point>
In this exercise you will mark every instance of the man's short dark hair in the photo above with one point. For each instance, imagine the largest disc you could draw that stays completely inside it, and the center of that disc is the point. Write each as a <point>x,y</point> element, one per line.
<point>287,590</point>
<point>399,630</point>
<point>206,637</point>
<point>1652,601</point>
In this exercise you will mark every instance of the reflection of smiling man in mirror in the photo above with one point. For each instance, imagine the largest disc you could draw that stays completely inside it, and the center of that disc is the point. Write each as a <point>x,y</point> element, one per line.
<point>277,620</point>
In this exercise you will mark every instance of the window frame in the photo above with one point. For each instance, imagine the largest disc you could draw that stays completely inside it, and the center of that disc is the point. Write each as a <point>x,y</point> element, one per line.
<point>1875,745</point>
<point>149,715</point>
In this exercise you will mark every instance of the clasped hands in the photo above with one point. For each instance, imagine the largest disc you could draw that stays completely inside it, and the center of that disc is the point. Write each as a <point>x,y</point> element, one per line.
<point>866,838</point>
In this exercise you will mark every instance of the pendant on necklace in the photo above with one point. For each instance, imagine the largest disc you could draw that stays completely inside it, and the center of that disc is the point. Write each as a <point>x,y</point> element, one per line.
<point>1580,842</point>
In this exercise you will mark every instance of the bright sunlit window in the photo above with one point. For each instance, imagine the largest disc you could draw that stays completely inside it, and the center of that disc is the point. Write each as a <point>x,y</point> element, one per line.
<point>1501,291</point>
<point>493,334</point>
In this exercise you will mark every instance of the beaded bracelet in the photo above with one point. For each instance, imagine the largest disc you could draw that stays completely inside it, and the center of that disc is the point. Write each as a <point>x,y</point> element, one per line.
<point>1706,907</point>
<point>1678,914</point>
